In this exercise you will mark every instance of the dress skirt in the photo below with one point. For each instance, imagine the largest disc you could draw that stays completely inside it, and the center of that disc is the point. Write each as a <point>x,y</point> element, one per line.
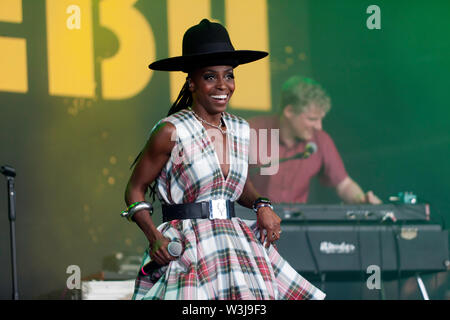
<point>222,259</point>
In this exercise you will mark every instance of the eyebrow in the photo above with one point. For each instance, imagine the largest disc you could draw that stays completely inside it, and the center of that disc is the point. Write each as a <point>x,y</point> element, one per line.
<point>213,71</point>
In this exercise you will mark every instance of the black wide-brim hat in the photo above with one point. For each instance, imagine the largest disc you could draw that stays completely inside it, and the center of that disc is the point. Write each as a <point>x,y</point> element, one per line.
<point>207,44</point>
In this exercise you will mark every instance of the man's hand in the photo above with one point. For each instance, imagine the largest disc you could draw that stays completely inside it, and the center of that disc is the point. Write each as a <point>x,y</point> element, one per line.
<point>372,198</point>
<point>350,192</point>
<point>269,225</point>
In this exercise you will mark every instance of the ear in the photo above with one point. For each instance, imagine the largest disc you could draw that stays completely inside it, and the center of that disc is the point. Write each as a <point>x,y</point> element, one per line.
<point>190,84</point>
<point>288,111</point>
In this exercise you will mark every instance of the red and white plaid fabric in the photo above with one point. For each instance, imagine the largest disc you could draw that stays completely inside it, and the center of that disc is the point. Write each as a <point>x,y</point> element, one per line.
<point>193,172</point>
<point>221,258</point>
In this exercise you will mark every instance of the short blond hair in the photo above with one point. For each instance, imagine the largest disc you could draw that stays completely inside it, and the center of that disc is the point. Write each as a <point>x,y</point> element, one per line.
<point>301,92</point>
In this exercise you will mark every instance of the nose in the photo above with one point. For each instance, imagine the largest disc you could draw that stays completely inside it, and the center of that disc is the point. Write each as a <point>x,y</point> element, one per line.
<point>221,84</point>
<point>318,125</point>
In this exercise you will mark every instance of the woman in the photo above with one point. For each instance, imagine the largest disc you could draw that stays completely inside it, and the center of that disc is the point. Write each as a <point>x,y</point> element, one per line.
<point>198,156</point>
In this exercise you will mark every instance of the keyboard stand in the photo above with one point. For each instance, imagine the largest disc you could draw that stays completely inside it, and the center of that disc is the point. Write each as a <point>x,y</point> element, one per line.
<point>422,288</point>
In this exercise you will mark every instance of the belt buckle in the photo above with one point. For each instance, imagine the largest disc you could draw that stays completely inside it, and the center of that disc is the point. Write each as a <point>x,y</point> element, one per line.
<point>218,209</point>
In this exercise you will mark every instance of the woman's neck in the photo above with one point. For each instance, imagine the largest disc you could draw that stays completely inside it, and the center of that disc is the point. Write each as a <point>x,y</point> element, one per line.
<point>214,118</point>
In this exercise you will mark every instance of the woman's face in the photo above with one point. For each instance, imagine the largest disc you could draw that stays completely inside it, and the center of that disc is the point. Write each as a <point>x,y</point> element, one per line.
<point>212,87</point>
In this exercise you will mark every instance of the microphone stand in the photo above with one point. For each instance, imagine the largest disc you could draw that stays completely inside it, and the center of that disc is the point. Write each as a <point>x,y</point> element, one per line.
<point>10,173</point>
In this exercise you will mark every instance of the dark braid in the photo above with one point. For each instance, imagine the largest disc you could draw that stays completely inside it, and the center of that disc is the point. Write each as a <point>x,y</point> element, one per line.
<point>183,101</point>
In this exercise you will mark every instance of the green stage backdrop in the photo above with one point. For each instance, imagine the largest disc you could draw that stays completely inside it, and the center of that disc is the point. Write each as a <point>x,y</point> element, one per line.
<point>77,103</point>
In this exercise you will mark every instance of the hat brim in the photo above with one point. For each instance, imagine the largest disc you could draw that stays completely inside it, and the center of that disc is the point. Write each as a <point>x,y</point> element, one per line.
<point>187,63</point>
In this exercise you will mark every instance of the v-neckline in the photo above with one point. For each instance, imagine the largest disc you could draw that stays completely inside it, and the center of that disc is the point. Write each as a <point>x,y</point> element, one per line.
<point>214,149</point>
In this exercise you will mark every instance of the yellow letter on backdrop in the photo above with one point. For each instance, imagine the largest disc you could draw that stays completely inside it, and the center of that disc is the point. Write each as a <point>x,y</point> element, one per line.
<point>70,50</point>
<point>248,27</point>
<point>13,51</point>
<point>126,74</point>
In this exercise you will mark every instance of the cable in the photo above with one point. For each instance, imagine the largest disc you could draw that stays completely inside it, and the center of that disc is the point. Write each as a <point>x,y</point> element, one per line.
<point>437,212</point>
<point>380,247</point>
<point>311,250</point>
<point>358,242</point>
<point>397,249</point>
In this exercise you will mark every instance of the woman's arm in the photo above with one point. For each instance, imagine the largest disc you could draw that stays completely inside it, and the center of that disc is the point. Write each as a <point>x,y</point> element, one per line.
<point>266,218</point>
<point>153,158</point>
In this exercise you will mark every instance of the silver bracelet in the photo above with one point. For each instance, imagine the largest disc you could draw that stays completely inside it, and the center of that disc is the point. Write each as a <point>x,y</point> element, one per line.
<point>140,206</point>
<point>262,205</point>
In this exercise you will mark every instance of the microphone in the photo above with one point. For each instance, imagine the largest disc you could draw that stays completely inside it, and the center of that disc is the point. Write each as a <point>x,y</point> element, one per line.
<point>8,171</point>
<point>174,248</point>
<point>310,149</point>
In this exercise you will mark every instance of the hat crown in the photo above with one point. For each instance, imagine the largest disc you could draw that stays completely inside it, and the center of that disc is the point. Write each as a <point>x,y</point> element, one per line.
<point>207,44</point>
<point>206,37</point>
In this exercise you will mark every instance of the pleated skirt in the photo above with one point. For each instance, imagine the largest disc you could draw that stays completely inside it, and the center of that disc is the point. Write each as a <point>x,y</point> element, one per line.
<point>222,260</point>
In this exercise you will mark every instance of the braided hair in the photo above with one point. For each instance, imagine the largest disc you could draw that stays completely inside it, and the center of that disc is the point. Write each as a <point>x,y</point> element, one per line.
<point>183,101</point>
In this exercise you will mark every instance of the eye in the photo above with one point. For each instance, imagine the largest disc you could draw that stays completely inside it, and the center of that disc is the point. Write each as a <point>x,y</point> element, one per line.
<point>208,77</point>
<point>230,76</point>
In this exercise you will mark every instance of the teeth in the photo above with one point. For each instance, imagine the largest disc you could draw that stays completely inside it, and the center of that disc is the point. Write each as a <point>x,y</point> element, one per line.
<point>224,96</point>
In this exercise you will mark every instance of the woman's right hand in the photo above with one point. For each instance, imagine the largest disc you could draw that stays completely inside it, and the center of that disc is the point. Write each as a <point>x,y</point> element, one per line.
<point>158,250</point>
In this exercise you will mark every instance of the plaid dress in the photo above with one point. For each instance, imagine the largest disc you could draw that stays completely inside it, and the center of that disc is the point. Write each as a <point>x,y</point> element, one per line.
<point>222,258</point>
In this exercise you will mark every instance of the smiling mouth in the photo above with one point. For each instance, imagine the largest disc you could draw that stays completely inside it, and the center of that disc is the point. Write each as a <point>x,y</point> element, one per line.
<point>221,97</point>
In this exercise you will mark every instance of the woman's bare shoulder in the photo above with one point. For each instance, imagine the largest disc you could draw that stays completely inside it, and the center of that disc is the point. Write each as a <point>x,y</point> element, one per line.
<point>163,136</point>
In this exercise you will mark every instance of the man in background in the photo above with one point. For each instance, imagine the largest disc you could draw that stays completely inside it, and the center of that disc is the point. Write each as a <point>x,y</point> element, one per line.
<point>305,149</point>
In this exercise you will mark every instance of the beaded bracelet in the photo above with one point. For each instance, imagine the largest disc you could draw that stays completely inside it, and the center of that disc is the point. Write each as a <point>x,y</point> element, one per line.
<point>261,200</point>
<point>131,206</point>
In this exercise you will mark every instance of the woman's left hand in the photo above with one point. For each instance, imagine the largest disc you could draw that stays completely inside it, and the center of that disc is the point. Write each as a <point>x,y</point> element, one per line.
<point>268,221</point>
